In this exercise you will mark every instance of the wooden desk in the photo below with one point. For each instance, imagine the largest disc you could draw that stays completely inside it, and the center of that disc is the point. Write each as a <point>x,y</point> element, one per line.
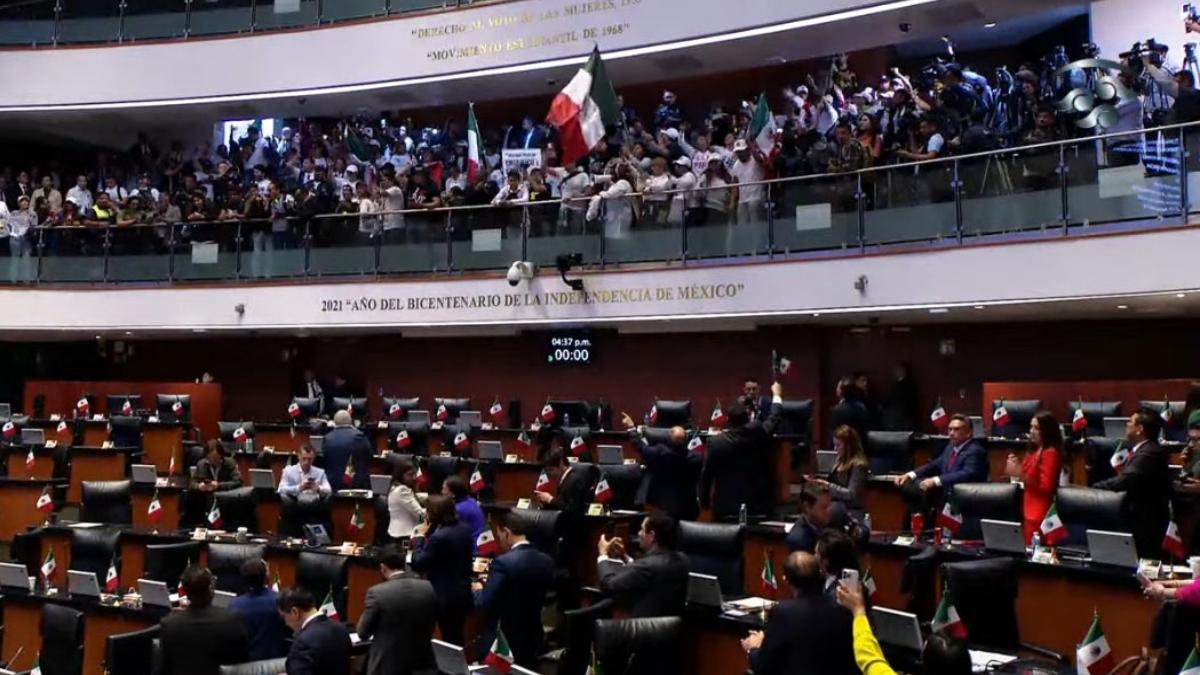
<point>95,463</point>
<point>43,461</point>
<point>19,497</point>
<point>342,509</point>
<point>884,501</point>
<point>515,481</point>
<point>22,628</point>
<point>170,497</point>
<point>162,442</point>
<point>284,438</point>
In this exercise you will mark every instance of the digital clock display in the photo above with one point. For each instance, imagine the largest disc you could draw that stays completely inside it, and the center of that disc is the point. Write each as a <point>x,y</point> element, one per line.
<point>569,348</point>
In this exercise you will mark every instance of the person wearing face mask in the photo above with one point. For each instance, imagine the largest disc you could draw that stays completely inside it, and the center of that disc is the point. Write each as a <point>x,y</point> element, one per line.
<point>671,472</point>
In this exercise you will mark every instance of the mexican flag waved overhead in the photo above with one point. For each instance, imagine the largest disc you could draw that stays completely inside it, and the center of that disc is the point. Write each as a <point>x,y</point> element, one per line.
<point>473,144</point>
<point>762,125</point>
<point>1094,657</point>
<point>583,109</point>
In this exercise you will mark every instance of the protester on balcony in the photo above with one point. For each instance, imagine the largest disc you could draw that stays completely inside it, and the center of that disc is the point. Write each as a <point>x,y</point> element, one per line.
<point>749,170</point>
<point>716,193</point>
<point>21,226</point>
<point>47,191</point>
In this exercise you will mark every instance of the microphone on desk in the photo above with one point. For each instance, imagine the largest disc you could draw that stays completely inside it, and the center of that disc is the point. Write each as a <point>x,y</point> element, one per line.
<point>9,664</point>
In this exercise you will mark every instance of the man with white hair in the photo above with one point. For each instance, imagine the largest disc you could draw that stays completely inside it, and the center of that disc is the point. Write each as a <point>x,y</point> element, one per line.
<point>347,454</point>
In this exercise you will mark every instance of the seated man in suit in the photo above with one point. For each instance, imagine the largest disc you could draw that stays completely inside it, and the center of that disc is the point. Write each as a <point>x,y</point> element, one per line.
<point>807,635</point>
<point>398,617</point>
<point>738,469</point>
<point>202,638</point>
<point>963,461</point>
<point>215,472</point>
<point>304,479</point>
<point>816,509</point>
<point>654,585</point>
<point>319,646</point>
<point>345,444</point>
<point>516,589</point>
<point>671,472</point>
<point>256,607</point>
<point>1146,476</point>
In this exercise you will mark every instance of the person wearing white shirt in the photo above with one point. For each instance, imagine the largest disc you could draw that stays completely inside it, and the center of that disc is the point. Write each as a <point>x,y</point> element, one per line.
<point>46,191</point>
<point>702,152</point>
<point>513,192</point>
<point>260,144</point>
<point>20,243</point>
<point>618,214</point>
<point>404,511</point>
<point>80,194</point>
<point>3,219</point>
<point>368,222</point>
<point>392,196</point>
<point>749,171</point>
<point>573,186</point>
<point>304,478</point>
<point>685,199</point>
<point>656,195</point>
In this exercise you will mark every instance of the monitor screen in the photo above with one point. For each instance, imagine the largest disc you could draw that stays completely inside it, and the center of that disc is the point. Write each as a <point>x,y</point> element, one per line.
<point>570,347</point>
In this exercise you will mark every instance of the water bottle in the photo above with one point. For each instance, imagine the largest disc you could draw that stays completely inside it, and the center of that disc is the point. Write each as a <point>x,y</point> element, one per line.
<point>867,522</point>
<point>1036,541</point>
<point>742,516</point>
<point>566,419</point>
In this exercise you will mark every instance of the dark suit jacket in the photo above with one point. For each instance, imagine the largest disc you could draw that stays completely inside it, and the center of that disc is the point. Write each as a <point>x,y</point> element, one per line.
<point>445,557</point>
<point>398,616</point>
<point>803,536</point>
<point>654,585</point>
<point>806,636</point>
<point>852,413</point>
<point>265,630</point>
<point>342,445</point>
<point>228,476</point>
<point>514,594</point>
<point>970,466</point>
<point>576,489</point>
<point>738,469</point>
<point>1147,479</point>
<point>320,648</point>
<point>670,479</point>
<point>200,641</point>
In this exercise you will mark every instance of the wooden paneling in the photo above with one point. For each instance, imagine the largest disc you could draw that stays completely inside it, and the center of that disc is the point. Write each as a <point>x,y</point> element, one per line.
<point>61,396</point>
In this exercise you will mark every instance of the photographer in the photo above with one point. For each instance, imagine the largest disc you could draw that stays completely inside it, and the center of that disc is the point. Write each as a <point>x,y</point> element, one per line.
<point>1181,88</point>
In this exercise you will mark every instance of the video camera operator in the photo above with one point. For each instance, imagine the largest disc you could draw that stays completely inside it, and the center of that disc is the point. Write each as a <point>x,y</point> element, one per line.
<point>1181,88</point>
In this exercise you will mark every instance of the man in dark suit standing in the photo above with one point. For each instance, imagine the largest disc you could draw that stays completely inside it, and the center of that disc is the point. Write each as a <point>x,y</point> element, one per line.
<point>398,617</point>
<point>671,472</point>
<point>202,638</point>
<point>576,483</point>
<point>738,468</point>
<point>1146,478</point>
<point>963,461</point>
<point>257,608</point>
<point>320,646</point>
<point>345,444</point>
<point>654,585</point>
<point>807,635</point>
<point>516,589</point>
<point>851,410</point>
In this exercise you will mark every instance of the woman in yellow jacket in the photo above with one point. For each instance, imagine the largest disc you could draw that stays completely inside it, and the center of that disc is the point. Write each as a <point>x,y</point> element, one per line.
<point>942,655</point>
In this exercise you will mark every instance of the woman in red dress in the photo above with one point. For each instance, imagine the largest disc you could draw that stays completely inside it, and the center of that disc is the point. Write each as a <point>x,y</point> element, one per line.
<point>1039,470</point>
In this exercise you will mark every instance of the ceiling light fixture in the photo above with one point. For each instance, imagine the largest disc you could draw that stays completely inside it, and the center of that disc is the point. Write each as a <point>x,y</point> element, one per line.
<point>1122,306</point>
<point>980,306</point>
<point>990,25</point>
<point>1181,295</point>
<point>938,310</point>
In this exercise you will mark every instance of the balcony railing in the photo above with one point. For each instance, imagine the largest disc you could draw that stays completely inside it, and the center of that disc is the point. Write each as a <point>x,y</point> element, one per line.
<point>1054,189</point>
<point>40,23</point>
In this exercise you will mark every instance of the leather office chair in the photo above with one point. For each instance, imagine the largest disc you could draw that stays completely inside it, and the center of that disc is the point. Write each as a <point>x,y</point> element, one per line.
<point>439,469</point>
<point>993,501</point>
<point>405,404</point>
<point>1020,412</point>
<point>131,653</point>
<point>393,459</point>
<point>673,413</point>
<point>238,509</point>
<point>26,549</point>
<point>1083,509</point>
<point>450,432</point>
<point>453,407</point>
<point>795,419</point>
<point>383,518</point>
<point>715,549</point>
<point>1177,429</point>
<point>624,479</point>
<point>92,550</point>
<point>649,646</point>
<point>319,574</point>
<point>126,431</point>
<point>1094,412</point>
<point>579,629</point>
<point>225,431</point>
<point>418,435</point>
<point>166,562</point>
<point>192,454</point>
<point>985,595</point>
<point>295,514</point>
<point>264,667</point>
<point>62,630</point>
<point>1098,452</point>
<point>542,529</point>
<point>566,434</point>
<point>225,562</point>
<point>889,451</point>
<point>106,501</point>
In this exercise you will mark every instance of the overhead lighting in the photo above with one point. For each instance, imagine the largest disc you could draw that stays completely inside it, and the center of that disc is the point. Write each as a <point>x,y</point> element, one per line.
<point>1181,295</point>
<point>990,25</point>
<point>938,310</point>
<point>980,306</point>
<point>1122,306</point>
<point>816,314</point>
<point>199,330</point>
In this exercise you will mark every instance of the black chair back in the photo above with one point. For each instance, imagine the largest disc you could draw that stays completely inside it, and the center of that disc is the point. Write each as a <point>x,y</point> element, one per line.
<point>450,432</point>
<point>166,562</point>
<point>319,573</point>
<point>226,429</point>
<point>542,529</point>
<point>453,407</point>
<point>795,419</point>
<point>238,509</point>
<point>130,653</point>
<point>624,479</point>
<point>1094,412</point>
<point>985,595</point>
<point>264,667</point>
<point>1098,452</point>
<point>115,404</point>
<point>579,629</point>
<point>357,406</point>
<point>673,413</point>
<point>106,501</point>
<point>1176,429</point>
<point>568,433</point>
<point>192,454</point>
<point>418,437</point>
<point>439,469</point>
<point>1020,412</point>
<point>647,646</point>
<point>404,405</point>
<point>889,451</point>
<point>714,549</point>
<point>62,634</point>
<point>126,431</point>
<point>165,404</point>
<point>1083,509</point>
<point>93,549</point>
<point>993,501</point>
<point>225,561</point>
<point>295,514</point>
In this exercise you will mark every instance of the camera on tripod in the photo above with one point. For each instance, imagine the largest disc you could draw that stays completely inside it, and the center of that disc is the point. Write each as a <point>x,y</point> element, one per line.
<point>1152,48</point>
<point>1190,15</point>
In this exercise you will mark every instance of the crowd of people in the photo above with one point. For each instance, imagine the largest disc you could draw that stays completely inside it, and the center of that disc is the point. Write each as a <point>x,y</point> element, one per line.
<point>659,169</point>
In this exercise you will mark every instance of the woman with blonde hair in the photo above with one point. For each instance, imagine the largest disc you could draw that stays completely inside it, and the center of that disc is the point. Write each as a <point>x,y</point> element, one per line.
<point>849,474</point>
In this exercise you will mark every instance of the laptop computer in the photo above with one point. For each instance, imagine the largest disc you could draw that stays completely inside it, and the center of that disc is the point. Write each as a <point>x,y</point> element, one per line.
<point>143,474</point>
<point>83,583</point>
<point>899,629</point>
<point>826,460</point>
<point>5,410</point>
<point>33,436</point>
<point>262,478</point>
<point>222,598</point>
<point>1002,535</point>
<point>490,450</point>
<point>1114,427</point>
<point>704,590</point>
<point>977,430</point>
<point>418,416</point>
<point>154,593</point>
<point>470,418</point>
<point>317,442</point>
<point>610,454</point>
<point>1112,548</point>
<point>381,483</point>
<point>450,659</point>
<point>16,576</point>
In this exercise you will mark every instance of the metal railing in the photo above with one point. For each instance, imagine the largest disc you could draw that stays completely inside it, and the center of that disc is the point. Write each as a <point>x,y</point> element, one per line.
<point>40,23</point>
<point>1049,189</point>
